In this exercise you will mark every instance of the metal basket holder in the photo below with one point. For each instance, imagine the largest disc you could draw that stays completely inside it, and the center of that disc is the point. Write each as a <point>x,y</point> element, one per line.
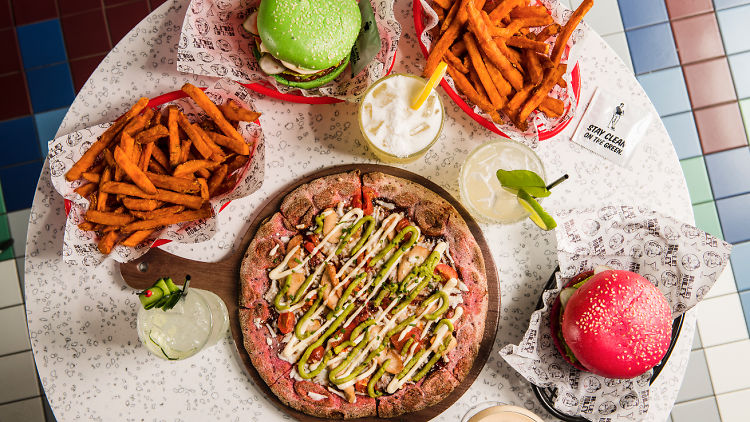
<point>548,395</point>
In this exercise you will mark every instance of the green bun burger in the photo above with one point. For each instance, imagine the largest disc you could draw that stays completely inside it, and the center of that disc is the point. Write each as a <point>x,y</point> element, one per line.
<point>304,43</point>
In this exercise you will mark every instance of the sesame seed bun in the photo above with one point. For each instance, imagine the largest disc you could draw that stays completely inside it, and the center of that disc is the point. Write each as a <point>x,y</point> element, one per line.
<point>617,325</point>
<point>310,34</point>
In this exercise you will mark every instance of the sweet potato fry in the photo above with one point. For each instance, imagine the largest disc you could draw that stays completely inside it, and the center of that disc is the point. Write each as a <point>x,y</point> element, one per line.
<point>174,138</point>
<point>533,68</point>
<point>219,175</point>
<point>567,31</point>
<point>446,40</point>
<point>550,79</point>
<point>226,186</point>
<point>108,218</point>
<point>451,15</point>
<point>523,42</point>
<point>503,87</point>
<point>445,4</point>
<point>238,162</point>
<point>548,31</point>
<point>476,82</point>
<point>189,167</point>
<point>517,101</point>
<point>102,143</point>
<point>204,189</point>
<point>103,196</point>
<point>161,212</point>
<point>545,61</point>
<point>108,242</point>
<point>511,74</point>
<point>241,148</point>
<point>140,204</point>
<point>553,105</point>
<point>525,12</point>
<point>479,67</point>
<point>184,150</point>
<point>175,184</point>
<point>135,174</point>
<point>562,82</point>
<point>455,62</point>
<point>181,217</point>
<point>204,173</point>
<point>463,85</point>
<point>136,238</point>
<point>146,156</point>
<point>213,112</point>
<point>502,10</point>
<point>158,155</point>
<point>458,48</point>
<point>194,136</point>
<point>86,225</point>
<point>189,201</point>
<point>85,190</point>
<point>152,135</point>
<point>155,167</point>
<point>218,154</point>
<point>238,113</point>
<point>91,177</point>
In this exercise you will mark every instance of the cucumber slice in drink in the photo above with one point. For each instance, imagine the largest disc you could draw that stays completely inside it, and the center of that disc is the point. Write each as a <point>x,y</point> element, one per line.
<point>150,297</point>
<point>170,353</point>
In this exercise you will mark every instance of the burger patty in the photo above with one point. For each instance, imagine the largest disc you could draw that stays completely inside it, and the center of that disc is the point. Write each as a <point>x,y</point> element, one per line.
<point>301,78</point>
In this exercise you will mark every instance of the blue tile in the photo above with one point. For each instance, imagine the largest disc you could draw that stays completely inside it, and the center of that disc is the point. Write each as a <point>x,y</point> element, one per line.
<point>724,4</point>
<point>745,299</point>
<point>729,172</point>
<point>684,135</point>
<point>19,184</point>
<point>18,136</point>
<point>733,217</point>
<point>667,91</point>
<point>740,258</point>
<point>739,63</point>
<point>733,26</point>
<point>50,87</point>
<point>637,13</point>
<point>652,48</point>
<point>47,125</point>
<point>41,43</point>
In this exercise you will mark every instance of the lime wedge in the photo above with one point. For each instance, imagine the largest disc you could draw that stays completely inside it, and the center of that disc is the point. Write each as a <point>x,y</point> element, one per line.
<point>539,216</point>
<point>435,79</point>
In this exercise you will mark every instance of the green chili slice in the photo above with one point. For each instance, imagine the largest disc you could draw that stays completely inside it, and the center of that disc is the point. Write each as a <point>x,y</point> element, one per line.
<point>375,378</point>
<point>298,328</point>
<point>370,226</point>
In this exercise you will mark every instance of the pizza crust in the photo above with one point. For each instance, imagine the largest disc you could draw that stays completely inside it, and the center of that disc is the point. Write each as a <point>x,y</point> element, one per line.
<point>435,217</point>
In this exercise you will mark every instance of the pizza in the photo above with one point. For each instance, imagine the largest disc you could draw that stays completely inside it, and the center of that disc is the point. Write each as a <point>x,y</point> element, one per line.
<point>364,295</point>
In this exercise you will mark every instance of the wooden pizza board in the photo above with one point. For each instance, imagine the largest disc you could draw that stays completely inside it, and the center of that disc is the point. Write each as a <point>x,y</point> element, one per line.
<point>222,278</point>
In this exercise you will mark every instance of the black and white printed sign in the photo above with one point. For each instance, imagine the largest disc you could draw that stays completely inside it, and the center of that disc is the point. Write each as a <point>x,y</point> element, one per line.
<point>612,127</point>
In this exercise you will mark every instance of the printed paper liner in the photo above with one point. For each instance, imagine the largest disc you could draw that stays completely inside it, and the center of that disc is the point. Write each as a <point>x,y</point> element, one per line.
<point>213,43</point>
<point>681,260</point>
<point>543,127</point>
<point>80,247</point>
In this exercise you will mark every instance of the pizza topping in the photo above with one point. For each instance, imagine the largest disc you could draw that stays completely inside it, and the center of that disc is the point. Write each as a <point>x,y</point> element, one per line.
<point>296,256</point>
<point>317,354</point>
<point>446,272</point>
<point>273,250</point>
<point>286,322</point>
<point>367,196</point>
<point>316,396</point>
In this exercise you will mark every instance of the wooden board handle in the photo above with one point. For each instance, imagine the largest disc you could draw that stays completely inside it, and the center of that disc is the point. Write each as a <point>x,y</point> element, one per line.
<point>143,272</point>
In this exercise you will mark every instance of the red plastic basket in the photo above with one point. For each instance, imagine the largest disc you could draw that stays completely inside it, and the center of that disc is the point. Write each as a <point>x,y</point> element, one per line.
<point>155,102</point>
<point>543,134</point>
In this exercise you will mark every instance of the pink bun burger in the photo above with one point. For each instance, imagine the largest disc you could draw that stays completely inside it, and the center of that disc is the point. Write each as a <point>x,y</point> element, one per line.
<point>613,323</point>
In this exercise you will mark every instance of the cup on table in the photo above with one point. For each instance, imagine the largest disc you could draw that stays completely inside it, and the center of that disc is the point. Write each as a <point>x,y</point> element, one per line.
<point>195,323</point>
<point>495,411</point>
<point>396,132</point>
<point>480,190</point>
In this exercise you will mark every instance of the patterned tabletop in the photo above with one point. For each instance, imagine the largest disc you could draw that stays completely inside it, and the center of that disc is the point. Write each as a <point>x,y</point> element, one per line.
<point>82,320</point>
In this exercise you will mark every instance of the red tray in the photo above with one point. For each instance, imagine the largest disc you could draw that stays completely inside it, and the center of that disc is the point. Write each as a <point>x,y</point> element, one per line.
<point>543,134</point>
<point>155,102</point>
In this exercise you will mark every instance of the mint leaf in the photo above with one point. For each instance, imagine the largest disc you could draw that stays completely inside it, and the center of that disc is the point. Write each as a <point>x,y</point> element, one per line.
<point>527,180</point>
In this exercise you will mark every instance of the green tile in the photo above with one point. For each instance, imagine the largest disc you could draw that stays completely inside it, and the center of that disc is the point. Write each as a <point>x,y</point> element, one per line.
<point>745,107</point>
<point>696,177</point>
<point>707,219</point>
<point>4,235</point>
<point>2,202</point>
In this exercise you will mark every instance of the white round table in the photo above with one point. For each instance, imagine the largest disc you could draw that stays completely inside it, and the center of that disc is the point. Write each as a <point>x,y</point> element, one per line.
<point>82,320</point>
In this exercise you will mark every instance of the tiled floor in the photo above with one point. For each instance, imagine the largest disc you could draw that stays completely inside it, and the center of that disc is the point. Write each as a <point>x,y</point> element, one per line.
<point>689,55</point>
